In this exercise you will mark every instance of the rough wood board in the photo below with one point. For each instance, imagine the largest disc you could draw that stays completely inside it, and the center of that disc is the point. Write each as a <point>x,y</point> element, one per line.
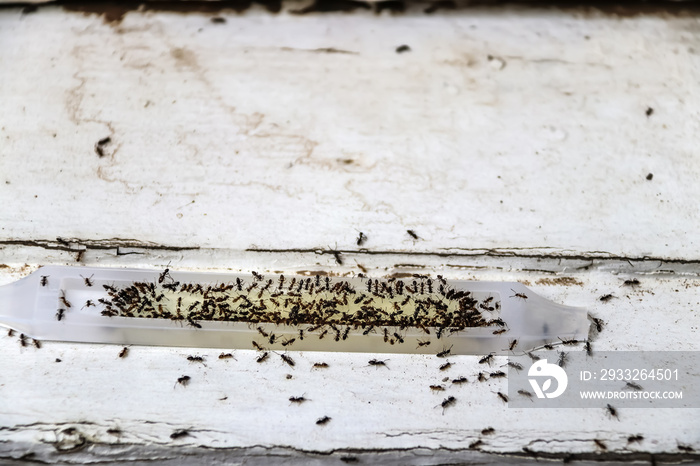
<point>249,134</point>
<point>258,144</point>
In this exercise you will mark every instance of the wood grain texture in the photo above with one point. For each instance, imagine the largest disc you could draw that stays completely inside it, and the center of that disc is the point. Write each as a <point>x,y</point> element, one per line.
<point>515,143</point>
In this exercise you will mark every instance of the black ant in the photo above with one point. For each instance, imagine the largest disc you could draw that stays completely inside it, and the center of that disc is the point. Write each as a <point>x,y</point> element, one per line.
<point>165,273</point>
<point>447,402</point>
<point>515,365</point>
<point>600,444</point>
<point>36,343</point>
<point>444,353</point>
<point>377,363</point>
<point>184,380</point>
<point>179,434</point>
<point>124,352</point>
<point>257,276</point>
<point>412,234</point>
<point>195,359</point>
<point>288,342</point>
<point>488,431</point>
<point>323,420</point>
<point>513,344</point>
<point>320,365</point>
<point>23,339</point>
<point>226,356</point>
<point>460,380</point>
<point>263,357</point>
<point>44,280</point>
<point>525,393</point>
<point>445,366</point>
<point>518,295</point>
<point>475,444</point>
<point>361,239</point>
<point>287,359</point>
<point>498,332</point>
<point>88,280</point>
<point>502,397</point>
<point>612,411</point>
<point>88,303</point>
<point>64,300</point>
<point>297,399</point>
<point>571,342</point>
<point>497,374</point>
<point>632,282</point>
<point>486,359</point>
<point>423,343</point>
<point>59,314</point>
<point>635,438</point>
<point>437,388</point>
<point>606,298</point>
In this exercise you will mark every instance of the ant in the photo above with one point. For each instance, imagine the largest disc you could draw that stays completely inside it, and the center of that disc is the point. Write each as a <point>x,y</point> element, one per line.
<point>263,357</point>
<point>297,399</point>
<point>488,431</point>
<point>502,397</point>
<point>288,342</point>
<point>597,323</point>
<point>287,359</point>
<point>612,412</point>
<point>460,380</point>
<point>412,234</point>
<point>257,276</point>
<point>64,300</point>
<point>184,380</point>
<point>635,438</point>
<point>23,339</point>
<point>497,374</point>
<point>513,344</point>
<point>165,273</point>
<point>437,388</point>
<point>377,363</point>
<point>226,356</point>
<point>179,434</point>
<point>88,303</point>
<point>36,343</point>
<point>632,282</point>
<point>423,343</point>
<point>486,359</point>
<point>444,353</point>
<point>571,342</point>
<point>515,365</point>
<point>320,365</point>
<point>195,359</point>
<point>562,359</point>
<point>518,295</point>
<point>525,393</point>
<point>475,444</point>
<point>600,444</point>
<point>88,280</point>
<point>323,420</point>
<point>447,402</point>
<point>124,352</point>
<point>44,280</point>
<point>59,314</point>
<point>361,239</point>
<point>589,350</point>
<point>257,346</point>
<point>445,366</point>
<point>606,298</point>
<point>498,332</point>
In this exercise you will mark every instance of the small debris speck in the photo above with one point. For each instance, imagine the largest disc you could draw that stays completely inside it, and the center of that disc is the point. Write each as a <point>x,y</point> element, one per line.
<point>650,176</point>
<point>649,111</point>
<point>403,48</point>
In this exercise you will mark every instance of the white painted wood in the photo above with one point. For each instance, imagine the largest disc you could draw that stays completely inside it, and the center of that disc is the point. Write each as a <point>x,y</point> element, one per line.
<point>250,133</point>
<point>247,138</point>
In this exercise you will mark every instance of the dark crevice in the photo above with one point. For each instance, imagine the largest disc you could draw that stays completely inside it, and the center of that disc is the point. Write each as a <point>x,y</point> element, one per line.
<point>113,11</point>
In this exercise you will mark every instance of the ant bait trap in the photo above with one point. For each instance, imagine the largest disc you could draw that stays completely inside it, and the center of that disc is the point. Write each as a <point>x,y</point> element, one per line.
<point>417,314</point>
